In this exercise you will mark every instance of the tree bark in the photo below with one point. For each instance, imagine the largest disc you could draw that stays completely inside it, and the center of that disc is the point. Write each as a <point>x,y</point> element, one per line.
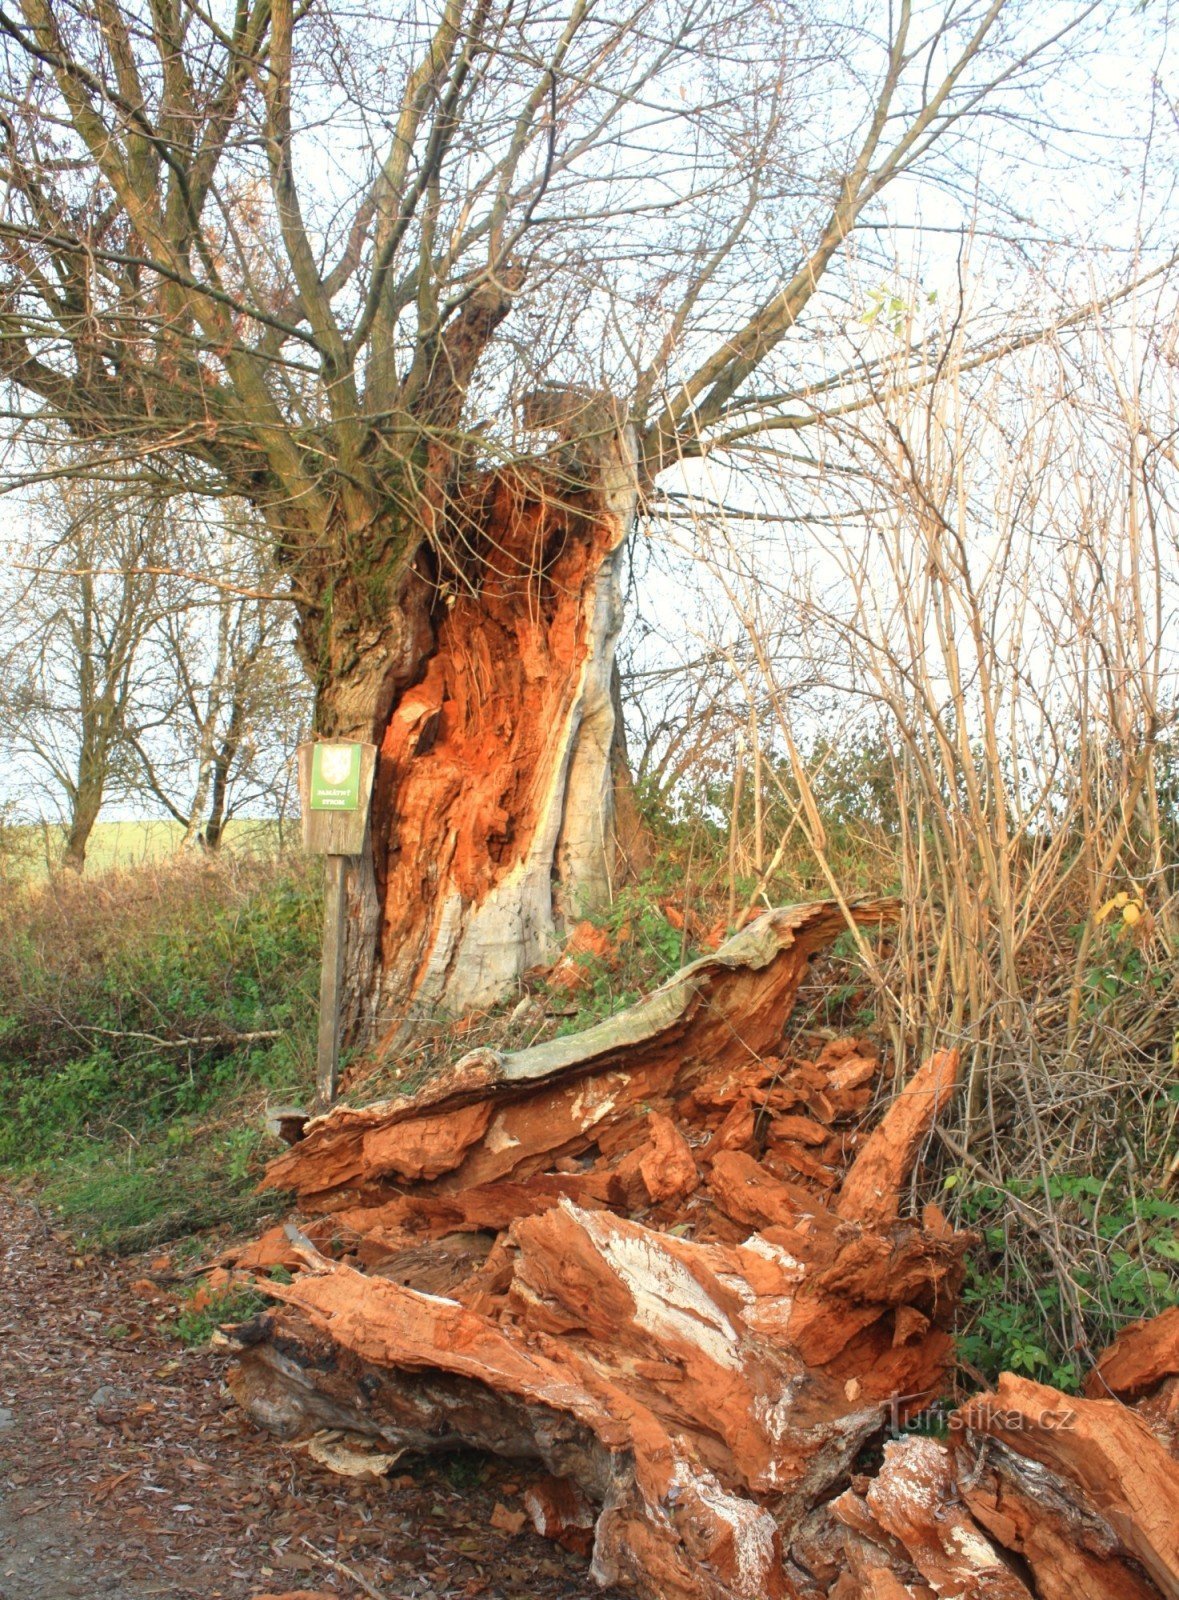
<point>207,740</point>
<point>488,691</point>
<point>634,846</point>
<point>84,814</point>
<point>215,822</point>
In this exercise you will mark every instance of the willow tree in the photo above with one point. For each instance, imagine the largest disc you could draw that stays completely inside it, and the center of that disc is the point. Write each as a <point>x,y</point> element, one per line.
<point>442,293</point>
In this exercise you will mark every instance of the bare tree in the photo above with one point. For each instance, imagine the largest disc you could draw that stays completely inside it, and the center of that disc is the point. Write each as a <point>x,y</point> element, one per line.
<point>313,259</point>
<point>76,629</point>
<point>224,701</point>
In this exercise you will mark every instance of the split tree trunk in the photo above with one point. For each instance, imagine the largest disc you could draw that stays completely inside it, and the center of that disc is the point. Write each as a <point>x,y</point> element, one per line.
<point>490,701</point>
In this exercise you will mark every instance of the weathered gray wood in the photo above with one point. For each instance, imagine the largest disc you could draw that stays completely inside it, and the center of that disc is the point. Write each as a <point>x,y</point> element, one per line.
<point>327,1058</point>
<point>335,833</point>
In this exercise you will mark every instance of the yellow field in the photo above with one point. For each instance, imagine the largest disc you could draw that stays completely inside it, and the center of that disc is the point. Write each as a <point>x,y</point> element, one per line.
<point>131,844</point>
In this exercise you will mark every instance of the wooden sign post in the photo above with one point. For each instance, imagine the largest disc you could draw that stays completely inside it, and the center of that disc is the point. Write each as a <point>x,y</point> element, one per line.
<point>335,785</point>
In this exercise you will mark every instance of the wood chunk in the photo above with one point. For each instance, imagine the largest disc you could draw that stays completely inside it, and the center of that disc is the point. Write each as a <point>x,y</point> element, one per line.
<point>816,1549</point>
<point>802,1130</point>
<point>559,1511</point>
<point>913,1498</point>
<point>852,1072</point>
<point>877,1563</point>
<point>735,1131</point>
<point>435,1266</point>
<point>872,1190</point>
<point>667,1167</point>
<point>271,1249</point>
<point>1140,1358</point>
<point>747,1192</point>
<point>426,1147</point>
<point>1071,1552</point>
<point>801,1163</point>
<point>1160,1411</point>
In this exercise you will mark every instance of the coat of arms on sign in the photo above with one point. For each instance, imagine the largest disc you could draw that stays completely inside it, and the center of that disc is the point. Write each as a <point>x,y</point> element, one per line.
<point>335,763</point>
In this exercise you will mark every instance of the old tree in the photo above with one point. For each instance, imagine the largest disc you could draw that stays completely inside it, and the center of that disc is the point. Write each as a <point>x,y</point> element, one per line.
<point>441,292</point>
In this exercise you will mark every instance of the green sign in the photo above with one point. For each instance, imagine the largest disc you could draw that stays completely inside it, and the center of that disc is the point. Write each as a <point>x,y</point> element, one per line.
<point>335,777</point>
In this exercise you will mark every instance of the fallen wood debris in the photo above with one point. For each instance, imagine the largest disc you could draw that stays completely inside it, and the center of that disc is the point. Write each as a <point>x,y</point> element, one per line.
<point>664,1262</point>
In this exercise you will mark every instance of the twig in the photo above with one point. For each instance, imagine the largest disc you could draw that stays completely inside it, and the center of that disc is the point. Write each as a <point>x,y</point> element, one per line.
<point>348,1572</point>
<point>180,1044</point>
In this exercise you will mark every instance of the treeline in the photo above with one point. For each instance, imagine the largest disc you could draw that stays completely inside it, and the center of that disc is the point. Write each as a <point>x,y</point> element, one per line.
<point>145,662</point>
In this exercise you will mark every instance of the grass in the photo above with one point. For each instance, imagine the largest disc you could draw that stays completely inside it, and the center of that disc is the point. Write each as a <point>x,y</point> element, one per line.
<point>123,1194</point>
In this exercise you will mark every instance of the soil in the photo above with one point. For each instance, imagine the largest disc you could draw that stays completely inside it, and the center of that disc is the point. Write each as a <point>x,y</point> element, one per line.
<point>127,1472</point>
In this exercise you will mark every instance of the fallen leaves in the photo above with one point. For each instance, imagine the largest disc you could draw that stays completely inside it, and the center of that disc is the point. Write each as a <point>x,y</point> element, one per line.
<point>182,1497</point>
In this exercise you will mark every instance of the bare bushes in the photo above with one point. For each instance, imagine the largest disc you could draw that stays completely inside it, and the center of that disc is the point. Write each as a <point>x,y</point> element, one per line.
<point>992,615</point>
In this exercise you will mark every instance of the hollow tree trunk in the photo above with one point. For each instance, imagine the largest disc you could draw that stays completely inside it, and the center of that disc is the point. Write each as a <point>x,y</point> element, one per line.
<point>492,821</point>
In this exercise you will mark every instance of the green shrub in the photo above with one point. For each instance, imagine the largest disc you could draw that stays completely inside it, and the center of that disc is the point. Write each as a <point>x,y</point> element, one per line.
<point>1122,1251</point>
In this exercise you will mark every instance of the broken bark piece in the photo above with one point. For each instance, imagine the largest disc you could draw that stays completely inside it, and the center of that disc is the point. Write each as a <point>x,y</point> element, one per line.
<point>559,1511</point>
<point>1140,1358</point>
<point>871,1191</point>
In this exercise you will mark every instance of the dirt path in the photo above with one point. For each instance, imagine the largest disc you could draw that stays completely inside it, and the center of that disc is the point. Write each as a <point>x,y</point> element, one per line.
<point>125,1472</point>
